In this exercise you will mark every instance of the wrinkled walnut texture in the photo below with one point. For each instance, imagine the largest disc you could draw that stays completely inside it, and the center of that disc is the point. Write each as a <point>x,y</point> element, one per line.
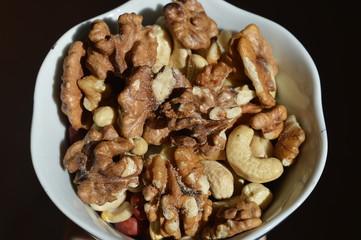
<point>177,193</point>
<point>232,220</point>
<point>71,95</point>
<point>190,24</point>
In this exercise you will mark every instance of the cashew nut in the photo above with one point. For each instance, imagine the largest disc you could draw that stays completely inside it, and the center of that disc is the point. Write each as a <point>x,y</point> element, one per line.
<point>109,205</point>
<point>220,179</point>
<point>119,214</point>
<point>257,193</point>
<point>244,163</point>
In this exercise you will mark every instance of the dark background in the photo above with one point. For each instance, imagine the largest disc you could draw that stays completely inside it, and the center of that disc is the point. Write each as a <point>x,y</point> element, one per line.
<point>328,30</point>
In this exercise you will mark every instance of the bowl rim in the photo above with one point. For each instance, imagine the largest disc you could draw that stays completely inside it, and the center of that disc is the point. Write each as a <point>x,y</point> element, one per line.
<point>264,228</point>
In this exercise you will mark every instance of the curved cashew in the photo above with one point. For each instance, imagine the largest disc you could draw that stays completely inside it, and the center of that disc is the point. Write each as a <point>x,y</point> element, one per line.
<point>244,163</point>
<point>119,214</point>
<point>109,205</point>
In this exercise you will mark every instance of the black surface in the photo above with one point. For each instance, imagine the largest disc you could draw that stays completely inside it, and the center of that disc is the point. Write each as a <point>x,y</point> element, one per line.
<point>328,30</point>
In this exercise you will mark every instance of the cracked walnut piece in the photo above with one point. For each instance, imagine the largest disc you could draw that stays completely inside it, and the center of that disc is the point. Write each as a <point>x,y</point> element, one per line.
<point>71,95</point>
<point>135,46</point>
<point>233,220</point>
<point>136,102</point>
<point>271,121</point>
<point>189,23</point>
<point>99,178</point>
<point>289,141</point>
<point>176,191</point>
<point>259,64</point>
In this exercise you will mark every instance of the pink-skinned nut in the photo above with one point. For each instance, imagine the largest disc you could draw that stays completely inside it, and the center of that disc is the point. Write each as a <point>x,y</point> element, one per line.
<point>137,202</point>
<point>132,227</point>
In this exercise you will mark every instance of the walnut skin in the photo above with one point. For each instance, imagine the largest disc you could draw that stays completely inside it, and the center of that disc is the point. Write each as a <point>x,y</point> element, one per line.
<point>136,102</point>
<point>71,95</point>
<point>259,64</point>
<point>287,146</point>
<point>190,24</point>
<point>134,46</point>
<point>213,76</point>
<point>233,220</point>
<point>177,193</point>
<point>270,121</point>
<point>99,178</point>
<point>98,59</point>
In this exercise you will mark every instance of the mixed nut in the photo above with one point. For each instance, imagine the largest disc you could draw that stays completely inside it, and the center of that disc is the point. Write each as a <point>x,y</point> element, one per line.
<point>175,126</point>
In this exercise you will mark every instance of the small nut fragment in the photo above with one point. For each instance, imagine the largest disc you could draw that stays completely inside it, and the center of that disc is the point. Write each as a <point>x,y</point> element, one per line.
<point>119,214</point>
<point>104,116</point>
<point>220,179</point>
<point>179,58</point>
<point>196,63</point>
<point>270,121</point>
<point>140,146</point>
<point>223,40</point>
<point>163,84</point>
<point>109,205</point>
<point>287,146</point>
<point>241,159</point>
<point>154,230</point>
<point>164,48</point>
<point>257,193</point>
<point>244,95</point>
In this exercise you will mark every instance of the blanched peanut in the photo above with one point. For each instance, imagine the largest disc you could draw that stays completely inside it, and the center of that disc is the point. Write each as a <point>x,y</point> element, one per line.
<point>140,146</point>
<point>104,116</point>
<point>119,214</point>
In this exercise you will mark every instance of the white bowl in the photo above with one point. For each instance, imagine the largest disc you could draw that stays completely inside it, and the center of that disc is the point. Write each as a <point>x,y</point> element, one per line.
<point>299,90</point>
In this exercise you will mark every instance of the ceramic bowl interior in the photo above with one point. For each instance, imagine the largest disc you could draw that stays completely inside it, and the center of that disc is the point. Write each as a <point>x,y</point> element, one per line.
<point>298,89</point>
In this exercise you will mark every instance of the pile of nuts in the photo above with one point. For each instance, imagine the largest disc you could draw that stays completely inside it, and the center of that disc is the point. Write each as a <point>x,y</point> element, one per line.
<point>174,127</point>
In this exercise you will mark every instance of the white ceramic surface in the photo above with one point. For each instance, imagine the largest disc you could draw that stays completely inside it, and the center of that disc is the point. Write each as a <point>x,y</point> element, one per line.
<point>298,89</point>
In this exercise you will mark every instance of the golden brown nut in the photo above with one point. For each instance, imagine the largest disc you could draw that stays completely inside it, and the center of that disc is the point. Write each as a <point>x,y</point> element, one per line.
<point>287,146</point>
<point>259,64</point>
<point>134,46</point>
<point>190,24</point>
<point>213,76</point>
<point>98,59</point>
<point>136,102</point>
<point>94,90</point>
<point>270,121</point>
<point>99,177</point>
<point>233,220</point>
<point>71,95</point>
<point>176,191</point>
